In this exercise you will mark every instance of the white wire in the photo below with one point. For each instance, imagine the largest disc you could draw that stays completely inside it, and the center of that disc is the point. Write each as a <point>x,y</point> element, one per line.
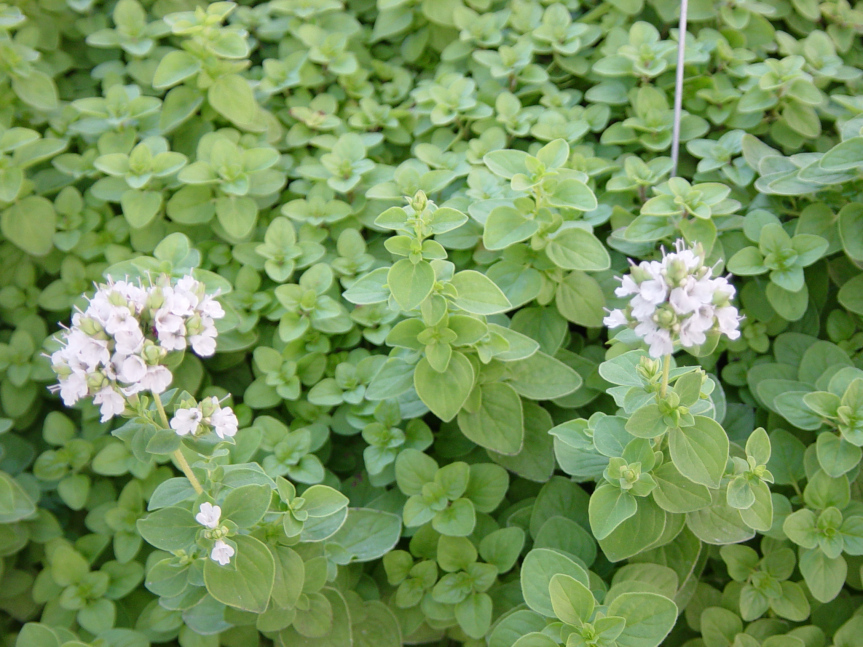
<point>678,88</point>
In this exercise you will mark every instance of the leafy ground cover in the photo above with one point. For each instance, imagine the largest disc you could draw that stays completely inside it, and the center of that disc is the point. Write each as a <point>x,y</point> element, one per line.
<point>343,323</point>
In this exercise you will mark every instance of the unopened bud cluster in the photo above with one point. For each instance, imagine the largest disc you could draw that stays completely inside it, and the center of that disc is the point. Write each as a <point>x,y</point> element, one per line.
<point>676,300</point>
<point>117,347</point>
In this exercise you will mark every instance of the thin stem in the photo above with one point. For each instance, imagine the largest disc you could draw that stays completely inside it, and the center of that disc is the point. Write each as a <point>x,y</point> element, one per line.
<point>666,369</point>
<point>178,455</point>
<point>678,88</point>
<point>187,470</point>
<point>597,12</point>
<point>161,409</point>
<point>796,488</point>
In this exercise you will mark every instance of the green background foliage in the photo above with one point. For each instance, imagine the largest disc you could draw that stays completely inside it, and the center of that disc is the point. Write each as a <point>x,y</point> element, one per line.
<point>414,211</point>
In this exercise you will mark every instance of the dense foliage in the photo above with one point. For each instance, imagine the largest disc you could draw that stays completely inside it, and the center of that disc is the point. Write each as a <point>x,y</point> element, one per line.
<point>354,383</point>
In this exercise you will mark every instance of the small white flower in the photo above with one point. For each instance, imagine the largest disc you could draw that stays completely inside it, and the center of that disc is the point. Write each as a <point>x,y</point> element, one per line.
<point>204,344</point>
<point>178,301</point>
<point>112,402</point>
<point>660,342</point>
<point>693,330</point>
<point>221,552</point>
<point>170,328</point>
<point>186,421</point>
<point>209,307</point>
<point>129,342</point>
<point>615,319</point>
<point>88,350</point>
<point>224,421</point>
<point>729,321</point>
<point>130,369</point>
<point>73,388</point>
<point>157,379</point>
<point>641,308</point>
<point>120,318</point>
<point>209,515</point>
<point>653,291</point>
<point>627,287</point>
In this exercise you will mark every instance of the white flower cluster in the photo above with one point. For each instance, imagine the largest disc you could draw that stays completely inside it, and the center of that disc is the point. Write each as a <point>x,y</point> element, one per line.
<point>209,516</point>
<point>676,299</point>
<point>208,414</point>
<point>117,346</point>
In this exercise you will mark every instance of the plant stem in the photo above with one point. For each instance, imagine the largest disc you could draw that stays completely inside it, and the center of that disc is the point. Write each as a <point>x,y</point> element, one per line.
<point>178,455</point>
<point>666,368</point>
<point>187,470</point>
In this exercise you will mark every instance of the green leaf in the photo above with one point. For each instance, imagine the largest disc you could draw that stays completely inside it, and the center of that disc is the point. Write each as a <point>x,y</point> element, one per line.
<point>609,507</point>
<point>474,614</point>
<point>247,582</point>
<point>676,493</point>
<point>851,229</point>
<point>175,67</point>
<point>140,207</point>
<point>506,226</point>
<point>537,571</point>
<point>836,455</point>
<point>478,294</point>
<point>572,194</point>
<point>747,262</point>
<point>36,89</point>
<point>378,626</point>
<point>413,469</point>
<point>845,155</point>
<point>578,249</point>
<point>572,601</point>
<point>580,299</point>
<point>542,377</point>
<point>851,294</point>
<point>502,547</point>
<point>700,452</point>
<point>366,535</point>
<point>719,523</point>
<point>649,618</point>
<point>498,423</point>
<point>30,224</point>
<point>246,505</point>
<point>824,576</point>
<point>323,501</point>
<point>15,502</point>
<point>410,283</point>
<point>445,393</point>
<point>232,97</point>
<point>457,520</point>
<point>237,215</point>
<point>487,486</point>
<point>506,163</point>
<point>169,529</point>
<point>535,639</point>
<point>637,533</point>
<point>535,461</point>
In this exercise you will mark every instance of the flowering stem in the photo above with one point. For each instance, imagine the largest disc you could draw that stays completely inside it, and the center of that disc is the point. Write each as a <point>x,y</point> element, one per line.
<point>187,470</point>
<point>666,369</point>
<point>178,455</point>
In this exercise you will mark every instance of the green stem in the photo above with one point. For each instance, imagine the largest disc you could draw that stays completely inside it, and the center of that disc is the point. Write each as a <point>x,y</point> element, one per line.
<point>666,368</point>
<point>797,488</point>
<point>178,455</point>
<point>597,12</point>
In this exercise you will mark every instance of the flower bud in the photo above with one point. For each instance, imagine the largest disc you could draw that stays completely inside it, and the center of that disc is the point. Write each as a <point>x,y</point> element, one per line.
<point>419,203</point>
